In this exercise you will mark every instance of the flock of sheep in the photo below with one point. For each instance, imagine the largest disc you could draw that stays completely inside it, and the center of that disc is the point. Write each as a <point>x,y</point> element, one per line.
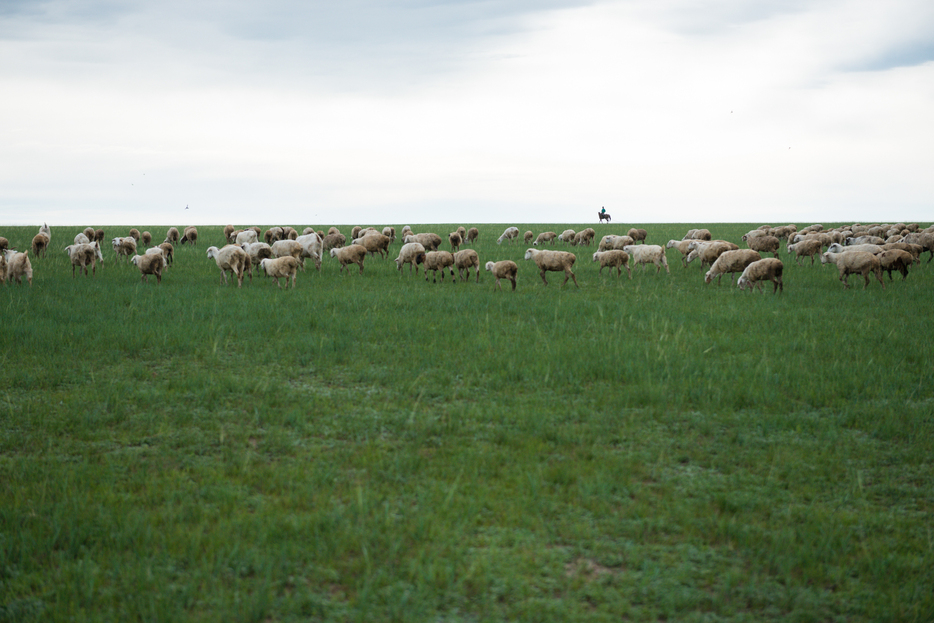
<point>280,252</point>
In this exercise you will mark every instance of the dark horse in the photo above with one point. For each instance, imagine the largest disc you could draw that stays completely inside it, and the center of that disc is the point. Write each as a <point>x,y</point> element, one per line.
<point>604,216</point>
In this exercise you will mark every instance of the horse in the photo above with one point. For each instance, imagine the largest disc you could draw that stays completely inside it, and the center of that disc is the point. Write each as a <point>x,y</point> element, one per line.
<point>604,216</point>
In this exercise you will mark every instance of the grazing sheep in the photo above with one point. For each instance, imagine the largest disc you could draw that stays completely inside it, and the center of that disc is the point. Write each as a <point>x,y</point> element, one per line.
<point>731,262</point>
<point>230,258</point>
<point>247,236</point>
<point>760,270</point>
<point>698,234</point>
<point>610,242</point>
<point>854,262</point>
<point>639,235</point>
<point>40,244</point>
<point>648,254</point>
<point>707,252</point>
<point>168,251</point>
<point>98,236</point>
<point>527,236</point>
<point>411,253</point>
<point>289,233</point>
<point>614,257</point>
<point>809,247</point>
<point>374,243</point>
<point>134,233</point>
<point>4,244</point>
<point>464,261</point>
<point>83,254</point>
<point>285,248</point>
<point>171,236</point>
<point>567,236</point>
<point>18,266</point>
<point>439,260</point>
<point>353,254</point>
<point>149,265</point>
<point>281,267</point>
<point>511,233</point>
<point>146,237</point>
<point>124,246</point>
<point>333,241</point>
<point>189,236</point>
<point>554,261</point>
<point>430,241</point>
<point>82,239</point>
<point>228,232</point>
<point>684,246</point>
<point>390,232</point>
<point>854,240</point>
<point>88,233</point>
<point>895,259</point>
<point>472,234</point>
<point>355,232</point>
<point>875,249</point>
<point>915,249</point>
<point>764,244</point>
<point>333,230</point>
<point>406,231</point>
<point>258,251</point>
<point>584,237</point>
<point>273,234</point>
<point>462,231</point>
<point>546,236</point>
<point>505,269</point>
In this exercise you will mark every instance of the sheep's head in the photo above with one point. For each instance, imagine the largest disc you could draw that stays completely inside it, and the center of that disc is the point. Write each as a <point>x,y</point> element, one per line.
<point>708,277</point>
<point>212,251</point>
<point>529,254</point>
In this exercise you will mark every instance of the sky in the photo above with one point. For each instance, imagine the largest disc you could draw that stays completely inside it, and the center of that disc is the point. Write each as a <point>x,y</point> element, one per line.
<point>130,112</point>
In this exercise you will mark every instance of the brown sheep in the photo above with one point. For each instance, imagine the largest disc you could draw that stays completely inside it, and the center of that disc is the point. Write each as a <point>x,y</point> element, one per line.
<point>505,269</point>
<point>465,260</point>
<point>281,267</point>
<point>731,262</point>
<point>353,254</point>
<point>855,262</point>
<point>555,261</point>
<point>149,264</point>
<point>40,244</point>
<point>613,258</point>
<point>760,270</point>
<point>439,260</point>
<point>764,244</point>
<point>895,259</point>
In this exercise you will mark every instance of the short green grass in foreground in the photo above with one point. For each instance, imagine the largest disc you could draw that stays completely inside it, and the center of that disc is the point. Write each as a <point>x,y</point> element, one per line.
<point>375,447</point>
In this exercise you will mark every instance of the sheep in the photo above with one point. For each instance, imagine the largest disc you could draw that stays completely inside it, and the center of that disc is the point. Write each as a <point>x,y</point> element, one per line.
<point>464,261</point>
<point>462,231</point>
<point>731,262</point>
<point>439,260</point>
<point>355,232</point>
<point>472,234</point>
<point>567,235</point>
<point>189,236</point>
<point>430,241</point>
<point>258,251</point>
<point>555,261</point>
<point>124,246</point>
<point>406,231</point>
<point>854,240</point>
<point>867,248</point>
<point>289,233</point>
<point>134,233</point>
<point>853,262</point>
<point>284,248</point>
<point>281,267</point>
<point>333,241</point>
<point>171,236</point>
<point>88,233</point>
<point>584,237</point>
<point>374,243</point>
<point>98,236</point>
<point>146,238</point>
<point>230,258</point>
<point>638,235</point>
<point>247,236</point>
<point>83,254</point>
<point>273,234</point>
<point>925,239</point>
<point>808,247</point>
<point>527,236</point>
<point>614,257</point>
<point>149,265</point>
<point>895,259</point>
<point>168,251</point>
<point>228,232</point>
<point>683,246</point>
<point>707,252</point>
<point>764,244</point>
<point>333,230</point>
<point>3,267</point>
<point>915,249</point>
<point>545,236</point>
<point>411,253</point>
<point>511,233</point>
<point>40,244</point>
<point>390,232</point>
<point>353,254</point>
<point>610,242</point>
<point>698,234</point>
<point>648,253</point>
<point>312,247</point>
<point>505,269</point>
<point>81,238</point>
<point>4,244</point>
<point>18,266</point>
<point>760,270</point>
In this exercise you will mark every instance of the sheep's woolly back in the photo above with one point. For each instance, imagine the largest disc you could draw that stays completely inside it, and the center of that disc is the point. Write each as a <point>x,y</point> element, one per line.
<point>760,270</point>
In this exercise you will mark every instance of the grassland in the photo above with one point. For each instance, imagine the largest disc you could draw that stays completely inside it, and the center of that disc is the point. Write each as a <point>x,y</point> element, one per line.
<point>375,447</point>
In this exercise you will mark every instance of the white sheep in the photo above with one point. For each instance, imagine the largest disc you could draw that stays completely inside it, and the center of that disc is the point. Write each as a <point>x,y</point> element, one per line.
<point>684,246</point>
<point>648,254</point>
<point>18,266</point>
<point>312,247</point>
<point>411,253</point>
<point>288,248</point>
<point>546,236</point>
<point>554,261</point>
<point>505,269</point>
<point>353,254</point>
<point>731,262</point>
<point>613,258</point>
<point>247,236</point>
<point>258,251</point>
<point>760,270</point>
<point>82,238</point>
<point>708,251</point>
<point>464,261</point>
<point>567,236</point>
<point>230,258</point>
<point>149,265</point>
<point>171,236</point>
<point>611,241</point>
<point>124,246</point>
<point>286,266</point>
<point>511,233</point>
<point>855,262</point>
<point>374,243</point>
<point>439,260</point>
<point>875,249</point>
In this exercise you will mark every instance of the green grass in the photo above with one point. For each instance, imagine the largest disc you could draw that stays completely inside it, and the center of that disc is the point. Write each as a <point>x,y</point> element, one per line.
<point>375,447</point>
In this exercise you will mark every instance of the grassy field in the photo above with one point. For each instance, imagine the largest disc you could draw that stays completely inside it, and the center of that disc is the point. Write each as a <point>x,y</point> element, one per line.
<point>375,447</point>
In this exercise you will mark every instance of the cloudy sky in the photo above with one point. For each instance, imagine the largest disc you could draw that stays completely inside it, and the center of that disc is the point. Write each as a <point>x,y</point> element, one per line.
<point>454,111</point>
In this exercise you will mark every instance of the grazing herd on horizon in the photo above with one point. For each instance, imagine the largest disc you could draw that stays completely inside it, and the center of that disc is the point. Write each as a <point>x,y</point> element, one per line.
<point>280,252</point>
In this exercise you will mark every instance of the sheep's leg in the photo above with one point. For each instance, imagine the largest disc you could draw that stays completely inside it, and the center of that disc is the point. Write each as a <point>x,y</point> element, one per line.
<point>878,274</point>
<point>545,281</point>
<point>571,273</point>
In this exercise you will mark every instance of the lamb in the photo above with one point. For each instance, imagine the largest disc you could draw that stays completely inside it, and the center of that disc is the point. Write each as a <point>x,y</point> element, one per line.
<point>648,253</point>
<point>230,258</point>
<point>439,260</point>
<point>189,236</point>
<point>411,253</point>
<point>731,262</point>
<point>639,235</point>
<point>124,246</point>
<point>764,244</point>
<point>464,261</point>
<point>555,261</point>
<point>40,244</point>
<point>895,259</point>
<point>683,246</point>
<point>247,236</point>
<point>258,251</point>
<point>83,254</point>
<point>613,258</point>
<point>149,265</point>
<point>511,233</point>
<point>281,267</point>
<point>18,266</point>
<point>472,234</point>
<point>527,236</point>
<point>353,254</point>
<point>505,269</point>
<point>760,270</point>
<point>374,243</point>
<point>171,236</point>
<point>545,236</point>
<point>853,262</point>
<point>809,247</point>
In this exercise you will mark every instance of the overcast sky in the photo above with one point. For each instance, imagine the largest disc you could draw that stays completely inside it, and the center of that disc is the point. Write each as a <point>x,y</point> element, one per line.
<point>420,111</point>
